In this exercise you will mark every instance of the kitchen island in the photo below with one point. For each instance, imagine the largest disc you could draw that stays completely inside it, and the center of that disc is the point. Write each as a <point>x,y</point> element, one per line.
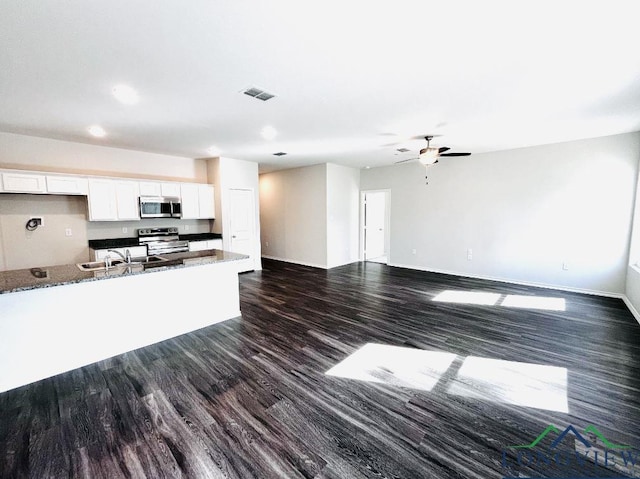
<point>58,318</point>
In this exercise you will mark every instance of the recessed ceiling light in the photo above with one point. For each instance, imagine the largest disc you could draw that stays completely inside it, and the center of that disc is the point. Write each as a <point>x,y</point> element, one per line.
<point>269,133</point>
<point>97,131</point>
<point>125,94</point>
<point>213,150</point>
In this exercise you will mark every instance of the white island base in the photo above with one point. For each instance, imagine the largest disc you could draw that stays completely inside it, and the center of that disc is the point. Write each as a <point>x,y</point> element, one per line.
<point>47,331</point>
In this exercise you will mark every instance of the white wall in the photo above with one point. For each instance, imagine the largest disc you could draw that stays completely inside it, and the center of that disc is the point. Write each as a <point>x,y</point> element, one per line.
<point>227,174</point>
<point>44,154</point>
<point>293,215</point>
<point>523,212</point>
<point>633,272</point>
<point>343,192</point>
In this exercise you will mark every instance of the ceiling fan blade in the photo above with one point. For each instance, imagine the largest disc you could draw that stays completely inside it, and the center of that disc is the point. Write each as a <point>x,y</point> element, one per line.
<point>455,154</point>
<point>422,137</point>
<point>404,161</point>
<point>442,149</point>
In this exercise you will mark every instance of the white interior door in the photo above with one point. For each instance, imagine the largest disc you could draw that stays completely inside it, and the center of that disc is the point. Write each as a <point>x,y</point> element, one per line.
<point>242,210</point>
<point>374,224</point>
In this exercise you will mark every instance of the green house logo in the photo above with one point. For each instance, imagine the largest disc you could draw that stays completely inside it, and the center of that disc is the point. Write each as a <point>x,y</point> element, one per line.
<point>568,454</point>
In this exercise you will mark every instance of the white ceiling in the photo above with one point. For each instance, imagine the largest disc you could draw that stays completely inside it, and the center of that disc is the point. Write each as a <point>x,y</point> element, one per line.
<point>350,76</point>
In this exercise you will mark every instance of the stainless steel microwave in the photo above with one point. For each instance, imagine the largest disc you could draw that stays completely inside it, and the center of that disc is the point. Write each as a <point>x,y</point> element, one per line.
<point>160,207</point>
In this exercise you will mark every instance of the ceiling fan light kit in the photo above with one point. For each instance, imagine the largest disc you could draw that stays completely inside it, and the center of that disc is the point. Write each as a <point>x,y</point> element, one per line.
<point>428,156</point>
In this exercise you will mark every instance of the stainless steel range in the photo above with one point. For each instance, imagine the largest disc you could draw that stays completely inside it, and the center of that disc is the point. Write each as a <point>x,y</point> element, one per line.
<point>162,240</point>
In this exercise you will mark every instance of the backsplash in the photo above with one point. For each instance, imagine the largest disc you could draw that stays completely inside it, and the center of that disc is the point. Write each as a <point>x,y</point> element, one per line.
<point>51,244</point>
<point>127,229</point>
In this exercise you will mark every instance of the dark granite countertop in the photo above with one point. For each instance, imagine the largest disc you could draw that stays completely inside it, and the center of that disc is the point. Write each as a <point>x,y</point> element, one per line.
<point>133,241</point>
<point>114,243</point>
<point>201,236</point>
<point>49,276</point>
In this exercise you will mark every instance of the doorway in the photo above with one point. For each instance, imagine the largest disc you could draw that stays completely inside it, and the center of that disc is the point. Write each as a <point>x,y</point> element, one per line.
<point>375,226</point>
<point>241,222</point>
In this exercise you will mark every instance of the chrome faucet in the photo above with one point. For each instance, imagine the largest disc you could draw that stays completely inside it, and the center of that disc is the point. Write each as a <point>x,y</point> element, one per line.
<point>126,256</point>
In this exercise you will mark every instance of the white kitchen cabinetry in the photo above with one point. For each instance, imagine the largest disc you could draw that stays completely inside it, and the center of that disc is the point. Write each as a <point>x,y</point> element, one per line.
<point>206,201</point>
<point>205,245</point>
<point>135,251</point>
<point>24,183</point>
<point>67,185</point>
<point>190,201</point>
<point>170,189</point>
<point>197,201</point>
<point>127,200</point>
<point>150,188</point>
<point>113,200</point>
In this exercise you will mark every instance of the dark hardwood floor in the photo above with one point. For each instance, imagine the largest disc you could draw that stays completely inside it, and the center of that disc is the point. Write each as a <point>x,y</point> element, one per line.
<point>451,386</point>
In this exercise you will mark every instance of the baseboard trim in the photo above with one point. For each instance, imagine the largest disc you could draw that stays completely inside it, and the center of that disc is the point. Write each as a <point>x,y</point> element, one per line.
<point>631,308</point>
<point>302,263</point>
<point>607,294</point>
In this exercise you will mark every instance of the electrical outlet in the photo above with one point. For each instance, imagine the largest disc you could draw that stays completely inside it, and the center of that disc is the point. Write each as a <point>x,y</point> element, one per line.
<point>469,254</point>
<point>565,266</point>
<point>413,251</point>
<point>186,227</point>
<point>125,229</point>
<point>68,232</point>
<point>266,244</point>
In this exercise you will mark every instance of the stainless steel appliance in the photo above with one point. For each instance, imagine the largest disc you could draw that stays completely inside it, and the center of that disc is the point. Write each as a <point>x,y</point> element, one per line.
<point>162,240</point>
<point>160,207</point>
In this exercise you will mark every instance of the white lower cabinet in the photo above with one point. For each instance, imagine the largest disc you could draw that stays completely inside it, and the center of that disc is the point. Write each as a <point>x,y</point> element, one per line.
<point>113,200</point>
<point>205,245</point>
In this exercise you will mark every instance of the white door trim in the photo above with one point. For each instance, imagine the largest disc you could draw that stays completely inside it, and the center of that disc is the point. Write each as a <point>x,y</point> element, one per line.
<point>387,222</point>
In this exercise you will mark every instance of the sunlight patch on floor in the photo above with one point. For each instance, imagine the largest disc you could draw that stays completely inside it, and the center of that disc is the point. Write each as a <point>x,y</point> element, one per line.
<point>497,299</point>
<point>521,384</point>
<point>534,302</point>
<point>395,365</point>
<point>467,297</point>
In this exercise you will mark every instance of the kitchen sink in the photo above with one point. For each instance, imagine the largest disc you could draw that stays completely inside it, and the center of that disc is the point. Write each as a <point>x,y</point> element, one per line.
<point>118,263</point>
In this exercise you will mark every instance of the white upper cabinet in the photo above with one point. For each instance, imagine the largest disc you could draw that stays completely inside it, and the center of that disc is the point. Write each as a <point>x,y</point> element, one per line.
<point>102,200</point>
<point>170,189</point>
<point>148,188</point>
<point>113,200</point>
<point>197,201</point>
<point>207,201</point>
<point>155,188</point>
<point>127,194</point>
<point>190,201</point>
<point>67,185</point>
<point>24,183</point>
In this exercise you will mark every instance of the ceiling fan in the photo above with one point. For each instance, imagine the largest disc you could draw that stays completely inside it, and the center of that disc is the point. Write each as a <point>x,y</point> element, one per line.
<point>429,155</point>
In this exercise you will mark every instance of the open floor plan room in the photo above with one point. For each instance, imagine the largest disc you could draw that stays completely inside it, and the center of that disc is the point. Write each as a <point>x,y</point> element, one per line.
<point>361,371</point>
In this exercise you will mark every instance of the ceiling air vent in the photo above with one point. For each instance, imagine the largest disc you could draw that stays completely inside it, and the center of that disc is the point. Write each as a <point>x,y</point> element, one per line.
<point>403,150</point>
<point>258,93</point>
<point>280,153</point>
